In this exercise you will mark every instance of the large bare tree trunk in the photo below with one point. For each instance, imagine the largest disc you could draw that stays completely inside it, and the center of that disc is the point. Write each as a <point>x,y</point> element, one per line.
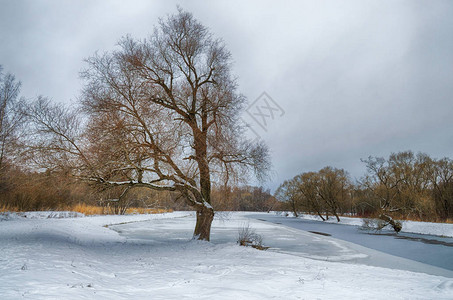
<point>203,226</point>
<point>205,213</point>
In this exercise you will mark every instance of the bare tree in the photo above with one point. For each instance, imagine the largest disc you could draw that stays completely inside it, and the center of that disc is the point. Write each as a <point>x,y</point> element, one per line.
<point>161,113</point>
<point>319,192</point>
<point>289,193</point>
<point>10,115</point>
<point>411,173</point>
<point>442,181</point>
<point>308,185</point>
<point>381,181</point>
<point>402,182</point>
<point>333,185</point>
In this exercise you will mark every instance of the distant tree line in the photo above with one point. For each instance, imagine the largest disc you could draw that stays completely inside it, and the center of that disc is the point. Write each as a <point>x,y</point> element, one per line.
<point>22,190</point>
<point>244,198</point>
<point>404,185</point>
<point>36,173</point>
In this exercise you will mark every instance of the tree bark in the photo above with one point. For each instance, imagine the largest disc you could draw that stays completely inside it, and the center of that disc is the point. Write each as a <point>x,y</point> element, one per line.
<point>320,215</point>
<point>203,226</point>
<point>336,216</point>
<point>205,214</point>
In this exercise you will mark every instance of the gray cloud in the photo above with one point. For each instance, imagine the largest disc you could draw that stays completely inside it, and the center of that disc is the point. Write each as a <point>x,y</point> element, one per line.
<point>356,78</point>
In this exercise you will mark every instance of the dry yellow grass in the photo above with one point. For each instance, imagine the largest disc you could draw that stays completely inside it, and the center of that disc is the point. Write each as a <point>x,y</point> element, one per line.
<point>87,209</point>
<point>141,210</point>
<point>5,208</point>
<point>98,210</point>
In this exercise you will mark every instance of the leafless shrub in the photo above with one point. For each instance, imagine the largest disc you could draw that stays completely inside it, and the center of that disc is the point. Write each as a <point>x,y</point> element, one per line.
<point>248,237</point>
<point>223,215</point>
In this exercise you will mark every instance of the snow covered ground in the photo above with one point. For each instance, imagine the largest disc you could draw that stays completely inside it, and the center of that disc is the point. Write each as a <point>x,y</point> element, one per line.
<point>153,257</point>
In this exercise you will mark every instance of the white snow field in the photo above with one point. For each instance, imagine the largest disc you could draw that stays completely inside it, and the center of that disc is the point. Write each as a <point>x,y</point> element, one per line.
<point>153,257</point>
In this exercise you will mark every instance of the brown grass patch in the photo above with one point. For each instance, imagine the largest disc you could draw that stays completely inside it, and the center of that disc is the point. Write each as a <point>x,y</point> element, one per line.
<point>99,210</point>
<point>88,209</point>
<point>6,208</point>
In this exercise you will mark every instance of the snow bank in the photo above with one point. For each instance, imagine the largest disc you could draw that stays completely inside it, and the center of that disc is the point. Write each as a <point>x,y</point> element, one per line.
<point>40,215</point>
<point>92,230</point>
<point>440,229</point>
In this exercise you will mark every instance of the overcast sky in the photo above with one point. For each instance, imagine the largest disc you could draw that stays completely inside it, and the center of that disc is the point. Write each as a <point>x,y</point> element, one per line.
<point>354,78</point>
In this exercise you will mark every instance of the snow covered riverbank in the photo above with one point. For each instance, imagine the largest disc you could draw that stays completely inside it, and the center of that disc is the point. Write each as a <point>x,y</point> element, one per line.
<point>152,257</point>
<point>440,229</point>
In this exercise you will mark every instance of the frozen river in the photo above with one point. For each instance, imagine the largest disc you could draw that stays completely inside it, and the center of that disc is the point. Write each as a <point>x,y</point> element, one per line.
<point>428,249</point>
<point>332,242</point>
